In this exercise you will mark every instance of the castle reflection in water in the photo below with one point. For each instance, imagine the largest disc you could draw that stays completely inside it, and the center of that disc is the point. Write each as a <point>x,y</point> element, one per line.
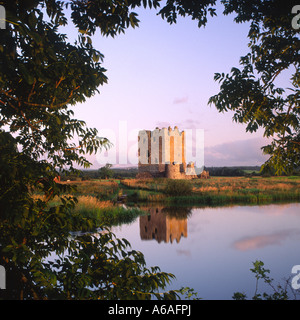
<point>164,224</point>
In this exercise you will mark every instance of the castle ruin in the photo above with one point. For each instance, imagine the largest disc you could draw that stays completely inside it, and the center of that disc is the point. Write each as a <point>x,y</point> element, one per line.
<point>162,153</point>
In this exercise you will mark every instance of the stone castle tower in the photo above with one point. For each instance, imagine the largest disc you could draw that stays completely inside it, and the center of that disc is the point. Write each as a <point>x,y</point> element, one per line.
<point>162,154</point>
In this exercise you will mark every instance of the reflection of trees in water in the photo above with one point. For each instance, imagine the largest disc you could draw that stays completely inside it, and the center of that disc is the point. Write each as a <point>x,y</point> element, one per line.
<point>178,212</point>
<point>164,223</point>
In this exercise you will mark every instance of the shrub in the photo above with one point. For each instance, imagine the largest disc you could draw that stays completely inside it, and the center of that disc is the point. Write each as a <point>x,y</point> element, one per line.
<point>178,188</point>
<point>278,292</point>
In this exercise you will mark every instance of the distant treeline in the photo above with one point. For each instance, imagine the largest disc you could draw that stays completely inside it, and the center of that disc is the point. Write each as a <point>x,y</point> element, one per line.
<point>233,171</point>
<point>102,173</point>
<point>107,172</point>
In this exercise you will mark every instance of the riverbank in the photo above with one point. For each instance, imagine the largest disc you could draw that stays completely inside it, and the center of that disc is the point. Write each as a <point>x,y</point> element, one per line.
<point>216,190</point>
<point>102,212</point>
<point>220,190</point>
<point>105,200</point>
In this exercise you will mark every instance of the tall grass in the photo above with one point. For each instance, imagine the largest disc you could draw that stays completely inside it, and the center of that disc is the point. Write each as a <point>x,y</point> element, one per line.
<point>111,216</point>
<point>137,195</point>
<point>103,212</point>
<point>102,189</point>
<point>178,188</point>
<point>213,199</point>
<point>217,190</point>
<point>243,197</point>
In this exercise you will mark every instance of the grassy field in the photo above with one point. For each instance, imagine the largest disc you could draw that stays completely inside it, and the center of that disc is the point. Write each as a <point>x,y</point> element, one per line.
<point>221,190</point>
<point>216,190</point>
<point>100,199</point>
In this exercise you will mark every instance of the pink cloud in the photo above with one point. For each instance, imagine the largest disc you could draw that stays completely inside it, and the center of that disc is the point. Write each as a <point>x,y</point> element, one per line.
<point>261,241</point>
<point>236,153</point>
<point>181,100</point>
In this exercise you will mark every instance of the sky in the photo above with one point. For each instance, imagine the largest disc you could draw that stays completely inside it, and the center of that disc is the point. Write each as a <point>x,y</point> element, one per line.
<point>161,75</point>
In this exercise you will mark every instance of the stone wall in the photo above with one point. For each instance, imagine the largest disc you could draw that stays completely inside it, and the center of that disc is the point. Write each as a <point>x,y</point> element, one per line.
<point>173,171</point>
<point>156,170</point>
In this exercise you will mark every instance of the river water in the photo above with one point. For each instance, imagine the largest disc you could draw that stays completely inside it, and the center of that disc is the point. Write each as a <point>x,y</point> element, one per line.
<point>212,249</point>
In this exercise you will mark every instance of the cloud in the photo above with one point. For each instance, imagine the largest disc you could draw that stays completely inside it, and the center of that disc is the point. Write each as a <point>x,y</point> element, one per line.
<point>183,252</point>
<point>236,153</point>
<point>181,100</point>
<point>190,124</point>
<point>163,124</point>
<point>261,241</point>
<point>182,125</point>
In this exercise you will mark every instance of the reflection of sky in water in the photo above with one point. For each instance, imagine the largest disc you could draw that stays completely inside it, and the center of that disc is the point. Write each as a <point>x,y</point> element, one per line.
<point>261,241</point>
<point>216,256</point>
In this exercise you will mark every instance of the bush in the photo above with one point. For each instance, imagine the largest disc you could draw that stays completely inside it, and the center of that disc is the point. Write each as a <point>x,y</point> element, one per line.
<point>278,292</point>
<point>178,188</point>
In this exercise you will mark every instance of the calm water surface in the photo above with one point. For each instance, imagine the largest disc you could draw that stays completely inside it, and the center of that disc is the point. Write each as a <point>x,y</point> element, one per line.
<point>212,249</point>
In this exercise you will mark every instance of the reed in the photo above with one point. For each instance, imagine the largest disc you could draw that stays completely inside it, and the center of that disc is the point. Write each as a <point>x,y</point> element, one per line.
<point>105,212</point>
<point>178,188</point>
<point>236,198</point>
<point>111,216</point>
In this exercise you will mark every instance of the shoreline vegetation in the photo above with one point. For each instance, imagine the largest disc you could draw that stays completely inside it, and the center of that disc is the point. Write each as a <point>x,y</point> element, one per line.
<point>117,201</point>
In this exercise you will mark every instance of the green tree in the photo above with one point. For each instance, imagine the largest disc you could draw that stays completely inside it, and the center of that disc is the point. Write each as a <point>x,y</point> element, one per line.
<point>105,172</point>
<point>254,91</point>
